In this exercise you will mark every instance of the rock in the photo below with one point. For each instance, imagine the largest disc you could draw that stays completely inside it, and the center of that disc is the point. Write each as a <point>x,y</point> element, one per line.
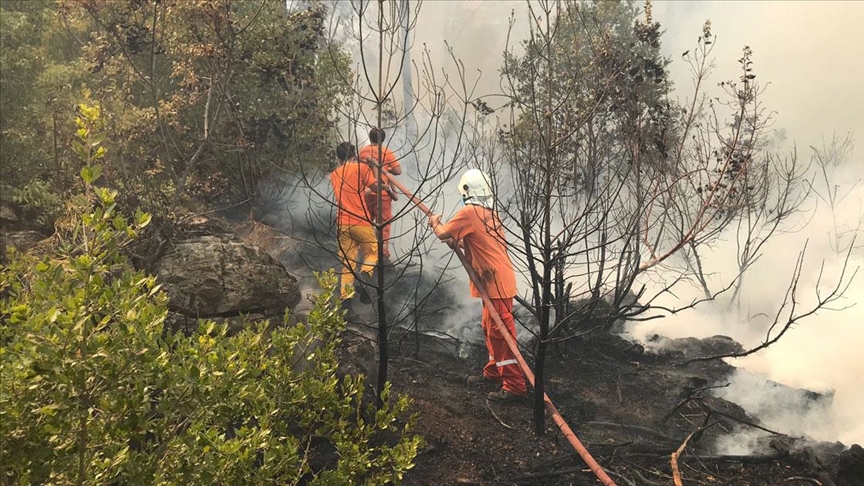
<point>283,248</point>
<point>202,226</point>
<point>20,240</point>
<point>850,467</point>
<point>213,276</point>
<point>269,239</point>
<point>7,215</point>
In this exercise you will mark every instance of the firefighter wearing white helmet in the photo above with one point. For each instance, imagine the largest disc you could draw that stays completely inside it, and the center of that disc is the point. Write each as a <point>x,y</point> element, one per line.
<point>475,189</point>
<point>478,228</point>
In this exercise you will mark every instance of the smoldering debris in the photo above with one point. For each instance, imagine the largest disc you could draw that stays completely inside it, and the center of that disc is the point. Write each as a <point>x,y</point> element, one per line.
<point>691,347</point>
<point>794,411</point>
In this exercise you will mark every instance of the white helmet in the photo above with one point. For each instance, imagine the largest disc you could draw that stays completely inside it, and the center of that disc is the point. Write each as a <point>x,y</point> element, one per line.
<point>475,189</point>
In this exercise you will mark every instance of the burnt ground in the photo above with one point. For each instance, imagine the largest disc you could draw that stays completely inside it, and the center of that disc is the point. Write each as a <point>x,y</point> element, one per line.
<point>629,408</point>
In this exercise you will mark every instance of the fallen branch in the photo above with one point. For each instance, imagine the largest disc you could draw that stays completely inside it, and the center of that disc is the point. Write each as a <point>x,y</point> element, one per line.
<point>755,459</point>
<point>673,460</point>
<point>697,393</point>
<point>489,406</point>
<point>802,478</point>
<point>636,428</point>
<point>645,481</point>
<point>744,422</point>
<point>758,459</point>
<point>531,478</point>
<point>624,479</point>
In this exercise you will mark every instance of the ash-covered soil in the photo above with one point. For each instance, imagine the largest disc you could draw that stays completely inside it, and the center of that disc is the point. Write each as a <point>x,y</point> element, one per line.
<point>630,409</point>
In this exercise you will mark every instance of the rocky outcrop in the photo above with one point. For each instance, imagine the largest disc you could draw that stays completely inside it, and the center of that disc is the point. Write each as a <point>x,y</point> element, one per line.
<point>283,248</point>
<point>850,466</point>
<point>20,240</point>
<point>8,218</point>
<point>219,276</point>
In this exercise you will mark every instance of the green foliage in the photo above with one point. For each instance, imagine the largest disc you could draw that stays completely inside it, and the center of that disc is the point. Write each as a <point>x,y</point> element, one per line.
<point>596,85</point>
<point>94,391</point>
<point>38,201</point>
<point>41,78</point>
<point>209,95</point>
<point>204,98</point>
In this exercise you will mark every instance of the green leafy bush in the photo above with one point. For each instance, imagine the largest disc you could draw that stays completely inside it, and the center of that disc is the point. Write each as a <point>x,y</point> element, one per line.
<point>94,391</point>
<point>39,202</point>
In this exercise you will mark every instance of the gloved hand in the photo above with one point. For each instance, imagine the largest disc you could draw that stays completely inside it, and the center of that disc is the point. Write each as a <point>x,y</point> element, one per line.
<point>434,220</point>
<point>392,193</point>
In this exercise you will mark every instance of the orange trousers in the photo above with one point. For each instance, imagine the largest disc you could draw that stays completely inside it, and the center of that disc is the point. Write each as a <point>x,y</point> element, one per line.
<point>386,214</point>
<point>502,365</point>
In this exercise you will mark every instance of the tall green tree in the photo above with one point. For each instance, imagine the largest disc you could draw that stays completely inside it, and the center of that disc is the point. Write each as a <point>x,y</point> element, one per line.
<point>41,76</point>
<point>588,103</point>
<point>205,98</point>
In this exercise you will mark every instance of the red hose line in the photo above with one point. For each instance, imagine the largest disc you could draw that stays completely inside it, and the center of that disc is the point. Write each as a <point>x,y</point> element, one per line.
<point>514,348</point>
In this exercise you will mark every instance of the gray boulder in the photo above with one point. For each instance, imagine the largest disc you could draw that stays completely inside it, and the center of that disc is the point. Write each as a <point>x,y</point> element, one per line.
<point>22,241</point>
<point>7,215</point>
<point>218,276</point>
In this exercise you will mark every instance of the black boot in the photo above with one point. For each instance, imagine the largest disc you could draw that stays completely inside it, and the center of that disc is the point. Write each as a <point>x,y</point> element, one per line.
<point>362,293</point>
<point>366,285</point>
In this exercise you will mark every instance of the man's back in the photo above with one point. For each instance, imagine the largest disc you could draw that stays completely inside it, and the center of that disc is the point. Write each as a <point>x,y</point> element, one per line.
<point>388,161</point>
<point>350,181</point>
<point>486,249</point>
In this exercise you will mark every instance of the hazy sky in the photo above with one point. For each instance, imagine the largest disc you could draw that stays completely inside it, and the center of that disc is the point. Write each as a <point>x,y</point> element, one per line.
<point>812,53</point>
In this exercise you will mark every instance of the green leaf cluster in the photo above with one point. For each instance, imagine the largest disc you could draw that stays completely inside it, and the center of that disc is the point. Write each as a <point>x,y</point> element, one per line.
<point>38,202</point>
<point>204,99</point>
<point>93,390</point>
<point>41,78</point>
<point>591,92</point>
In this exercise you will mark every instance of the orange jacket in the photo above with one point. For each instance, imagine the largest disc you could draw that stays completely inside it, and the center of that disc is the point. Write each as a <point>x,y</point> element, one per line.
<point>350,181</point>
<point>485,249</point>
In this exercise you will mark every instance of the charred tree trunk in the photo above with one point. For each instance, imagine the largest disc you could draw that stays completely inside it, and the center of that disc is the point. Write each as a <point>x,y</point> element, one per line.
<point>542,345</point>
<point>561,297</point>
<point>383,352</point>
<point>545,303</point>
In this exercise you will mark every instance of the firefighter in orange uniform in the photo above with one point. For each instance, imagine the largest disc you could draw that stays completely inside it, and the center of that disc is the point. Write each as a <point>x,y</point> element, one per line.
<point>478,228</point>
<point>374,153</point>
<point>352,183</point>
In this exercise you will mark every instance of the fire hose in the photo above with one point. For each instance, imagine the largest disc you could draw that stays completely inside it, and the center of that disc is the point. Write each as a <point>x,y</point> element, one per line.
<point>511,343</point>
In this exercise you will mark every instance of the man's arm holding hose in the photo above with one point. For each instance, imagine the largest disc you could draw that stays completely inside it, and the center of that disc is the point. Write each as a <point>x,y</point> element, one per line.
<point>442,233</point>
<point>371,162</point>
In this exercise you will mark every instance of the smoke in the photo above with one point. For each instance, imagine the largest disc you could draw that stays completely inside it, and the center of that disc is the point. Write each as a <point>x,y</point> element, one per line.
<point>823,353</point>
<point>794,411</point>
<point>431,292</point>
<point>812,54</point>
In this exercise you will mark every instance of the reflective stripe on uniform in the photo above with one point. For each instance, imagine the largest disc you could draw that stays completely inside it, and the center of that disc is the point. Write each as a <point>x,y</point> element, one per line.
<point>506,362</point>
